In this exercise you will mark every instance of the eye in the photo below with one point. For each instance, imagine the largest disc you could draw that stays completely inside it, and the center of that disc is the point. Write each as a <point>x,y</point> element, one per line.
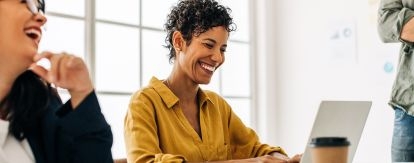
<point>223,50</point>
<point>23,1</point>
<point>210,46</point>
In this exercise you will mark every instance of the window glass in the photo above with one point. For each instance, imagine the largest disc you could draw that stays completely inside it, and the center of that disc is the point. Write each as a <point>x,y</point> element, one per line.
<point>154,56</point>
<point>241,107</point>
<point>64,34</point>
<point>123,11</point>
<point>236,70</point>
<point>64,95</point>
<point>114,108</point>
<point>70,7</point>
<point>240,14</point>
<point>117,58</point>
<point>214,84</point>
<point>154,12</point>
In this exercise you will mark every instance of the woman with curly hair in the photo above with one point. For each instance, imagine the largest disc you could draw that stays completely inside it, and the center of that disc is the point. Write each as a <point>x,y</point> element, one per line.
<point>34,124</point>
<point>174,120</point>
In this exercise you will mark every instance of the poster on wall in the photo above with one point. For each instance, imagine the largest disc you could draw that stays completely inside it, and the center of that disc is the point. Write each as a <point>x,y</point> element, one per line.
<point>342,46</point>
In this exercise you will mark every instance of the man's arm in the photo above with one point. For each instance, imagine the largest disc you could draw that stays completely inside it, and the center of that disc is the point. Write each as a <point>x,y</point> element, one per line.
<point>393,16</point>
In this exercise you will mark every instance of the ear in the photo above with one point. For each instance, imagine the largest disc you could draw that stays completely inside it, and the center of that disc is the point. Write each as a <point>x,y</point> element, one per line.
<point>178,41</point>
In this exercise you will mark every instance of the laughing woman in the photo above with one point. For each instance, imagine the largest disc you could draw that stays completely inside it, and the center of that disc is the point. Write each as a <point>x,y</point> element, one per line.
<point>34,124</point>
<point>174,120</point>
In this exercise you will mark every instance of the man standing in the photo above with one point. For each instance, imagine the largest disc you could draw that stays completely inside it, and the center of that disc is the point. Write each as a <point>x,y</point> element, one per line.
<point>395,24</point>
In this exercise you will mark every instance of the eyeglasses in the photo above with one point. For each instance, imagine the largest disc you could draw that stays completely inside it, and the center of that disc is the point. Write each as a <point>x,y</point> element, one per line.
<point>36,6</point>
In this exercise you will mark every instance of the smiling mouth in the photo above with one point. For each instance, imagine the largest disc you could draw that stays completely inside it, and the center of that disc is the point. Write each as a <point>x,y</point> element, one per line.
<point>34,34</point>
<point>208,67</point>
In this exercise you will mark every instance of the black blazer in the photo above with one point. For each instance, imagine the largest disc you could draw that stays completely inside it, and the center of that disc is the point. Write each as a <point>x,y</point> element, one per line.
<point>65,135</point>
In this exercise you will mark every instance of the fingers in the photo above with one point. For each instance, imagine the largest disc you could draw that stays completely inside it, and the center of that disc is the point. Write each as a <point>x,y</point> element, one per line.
<point>61,73</point>
<point>39,70</point>
<point>276,158</point>
<point>65,69</point>
<point>295,159</point>
<point>48,75</point>
<point>69,65</point>
<point>45,54</point>
<point>270,159</point>
<point>279,155</point>
<point>59,65</point>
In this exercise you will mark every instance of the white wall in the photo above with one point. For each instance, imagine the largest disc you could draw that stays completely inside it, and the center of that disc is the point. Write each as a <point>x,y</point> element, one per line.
<point>298,66</point>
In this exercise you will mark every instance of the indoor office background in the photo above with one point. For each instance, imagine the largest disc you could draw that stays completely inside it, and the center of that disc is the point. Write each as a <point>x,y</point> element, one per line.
<point>285,57</point>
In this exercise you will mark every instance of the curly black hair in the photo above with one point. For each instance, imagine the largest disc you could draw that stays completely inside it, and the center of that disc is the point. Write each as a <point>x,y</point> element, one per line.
<point>194,17</point>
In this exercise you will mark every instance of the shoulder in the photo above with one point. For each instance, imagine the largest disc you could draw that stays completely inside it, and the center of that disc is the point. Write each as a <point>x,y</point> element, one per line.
<point>150,92</point>
<point>144,100</point>
<point>145,94</point>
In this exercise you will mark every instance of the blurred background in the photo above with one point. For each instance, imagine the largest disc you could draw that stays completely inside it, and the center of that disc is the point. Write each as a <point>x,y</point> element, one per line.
<point>285,57</point>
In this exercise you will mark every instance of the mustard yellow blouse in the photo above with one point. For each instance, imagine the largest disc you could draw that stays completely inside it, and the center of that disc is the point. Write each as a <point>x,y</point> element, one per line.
<point>156,129</point>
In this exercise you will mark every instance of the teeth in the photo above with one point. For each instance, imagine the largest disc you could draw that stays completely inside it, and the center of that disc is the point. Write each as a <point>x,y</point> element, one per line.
<point>210,68</point>
<point>33,31</point>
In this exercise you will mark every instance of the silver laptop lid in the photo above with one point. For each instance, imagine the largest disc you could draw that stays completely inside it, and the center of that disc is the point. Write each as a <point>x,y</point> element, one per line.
<point>340,119</point>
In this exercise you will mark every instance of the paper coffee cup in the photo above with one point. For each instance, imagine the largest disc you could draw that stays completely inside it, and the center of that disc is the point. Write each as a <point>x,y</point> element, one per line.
<point>329,149</point>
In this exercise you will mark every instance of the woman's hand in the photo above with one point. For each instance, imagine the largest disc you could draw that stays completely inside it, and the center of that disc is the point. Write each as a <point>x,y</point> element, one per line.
<point>294,159</point>
<point>275,157</point>
<point>272,159</point>
<point>261,159</point>
<point>66,71</point>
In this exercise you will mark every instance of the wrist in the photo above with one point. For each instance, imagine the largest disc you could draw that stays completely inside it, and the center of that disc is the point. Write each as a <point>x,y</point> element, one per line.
<point>78,96</point>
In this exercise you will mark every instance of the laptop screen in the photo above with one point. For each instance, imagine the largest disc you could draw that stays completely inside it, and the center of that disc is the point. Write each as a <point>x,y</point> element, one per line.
<point>340,119</point>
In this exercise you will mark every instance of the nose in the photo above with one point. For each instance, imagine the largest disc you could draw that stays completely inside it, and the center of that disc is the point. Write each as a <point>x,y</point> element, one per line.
<point>40,18</point>
<point>218,57</point>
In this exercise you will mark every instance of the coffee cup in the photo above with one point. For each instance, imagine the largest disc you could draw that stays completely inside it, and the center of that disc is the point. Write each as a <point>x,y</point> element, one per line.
<point>329,149</point>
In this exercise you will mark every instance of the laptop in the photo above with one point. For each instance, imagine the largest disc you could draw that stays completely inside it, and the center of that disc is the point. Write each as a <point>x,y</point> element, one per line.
<point>339,119</point>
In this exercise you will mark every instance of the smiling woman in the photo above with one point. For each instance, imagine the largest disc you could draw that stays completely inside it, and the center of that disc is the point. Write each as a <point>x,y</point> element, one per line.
<point>174,120</point>
<point>35,126</point>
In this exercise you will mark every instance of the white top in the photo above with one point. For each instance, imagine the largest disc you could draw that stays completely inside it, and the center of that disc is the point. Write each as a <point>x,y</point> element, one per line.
<point>12,150</point>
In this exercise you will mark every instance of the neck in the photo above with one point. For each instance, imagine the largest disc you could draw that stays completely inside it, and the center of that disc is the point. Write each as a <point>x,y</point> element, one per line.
<point>186,90</point>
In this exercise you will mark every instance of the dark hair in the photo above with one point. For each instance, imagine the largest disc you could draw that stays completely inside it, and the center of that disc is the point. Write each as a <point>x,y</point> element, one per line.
<point>27,100</point>
<point>42,5</point>
<point>194,17</point>
<point>25,104</point>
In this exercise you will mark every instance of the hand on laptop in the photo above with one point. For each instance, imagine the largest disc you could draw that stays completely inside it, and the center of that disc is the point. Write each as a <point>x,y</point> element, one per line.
<point>273,158</point>
<point>295,159</point>
<point>285,159</point>
<point>270,159</point>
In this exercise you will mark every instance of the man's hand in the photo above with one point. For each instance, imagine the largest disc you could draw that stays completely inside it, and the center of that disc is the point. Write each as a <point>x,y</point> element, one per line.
<point>407,33</point>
